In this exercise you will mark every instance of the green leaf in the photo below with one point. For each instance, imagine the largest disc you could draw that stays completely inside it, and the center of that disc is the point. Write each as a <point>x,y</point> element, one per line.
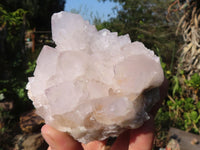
<point>176,86</point>
<point>198,105</point>
<point>193,115</point>
<point>194,81</point>
<point>21,93</point>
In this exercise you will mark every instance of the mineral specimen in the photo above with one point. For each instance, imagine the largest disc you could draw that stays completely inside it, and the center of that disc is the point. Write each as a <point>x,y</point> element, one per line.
<point>93,84</point>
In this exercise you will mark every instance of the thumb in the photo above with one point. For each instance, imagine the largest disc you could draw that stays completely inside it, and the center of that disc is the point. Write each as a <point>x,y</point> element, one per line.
<point>59,140</point>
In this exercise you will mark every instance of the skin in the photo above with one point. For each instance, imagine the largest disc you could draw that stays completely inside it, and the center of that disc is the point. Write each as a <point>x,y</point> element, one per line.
<point>135,139</point>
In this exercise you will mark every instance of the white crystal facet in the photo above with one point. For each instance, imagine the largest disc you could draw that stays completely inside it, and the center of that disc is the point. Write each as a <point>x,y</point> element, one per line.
<point>93,84</point>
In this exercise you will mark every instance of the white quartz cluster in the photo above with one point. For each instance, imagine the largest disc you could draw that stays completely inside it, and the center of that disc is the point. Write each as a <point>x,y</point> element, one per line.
<point>93,84</point>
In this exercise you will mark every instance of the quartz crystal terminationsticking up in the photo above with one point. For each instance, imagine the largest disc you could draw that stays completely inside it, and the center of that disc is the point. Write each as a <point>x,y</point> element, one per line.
<point>93,84</point>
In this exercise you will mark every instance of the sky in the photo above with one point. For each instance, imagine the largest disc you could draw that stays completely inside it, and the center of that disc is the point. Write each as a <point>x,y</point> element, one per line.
<point>91,8</point>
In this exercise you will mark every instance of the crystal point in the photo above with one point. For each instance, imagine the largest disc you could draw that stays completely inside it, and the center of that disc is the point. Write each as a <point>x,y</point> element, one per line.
<point>93,84</point>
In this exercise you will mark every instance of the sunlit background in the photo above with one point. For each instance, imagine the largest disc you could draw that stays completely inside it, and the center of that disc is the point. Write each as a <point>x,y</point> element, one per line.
<point>89,9</point>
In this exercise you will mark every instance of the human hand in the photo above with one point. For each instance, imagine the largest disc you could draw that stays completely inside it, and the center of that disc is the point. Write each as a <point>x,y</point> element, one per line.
<point>135,139</point>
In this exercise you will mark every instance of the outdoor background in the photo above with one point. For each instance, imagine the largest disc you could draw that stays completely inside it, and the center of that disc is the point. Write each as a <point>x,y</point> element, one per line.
<point>169,27</point>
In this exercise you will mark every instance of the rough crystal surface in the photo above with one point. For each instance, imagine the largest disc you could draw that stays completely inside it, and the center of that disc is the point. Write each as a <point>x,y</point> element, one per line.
<point>93,84</point>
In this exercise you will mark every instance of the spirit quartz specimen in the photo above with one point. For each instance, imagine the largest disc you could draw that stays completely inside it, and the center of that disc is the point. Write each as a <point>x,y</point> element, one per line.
<point>93,84</point>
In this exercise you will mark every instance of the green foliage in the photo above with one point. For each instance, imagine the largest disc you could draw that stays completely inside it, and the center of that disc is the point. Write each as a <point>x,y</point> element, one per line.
<point>182,111</point>
<point>179,109</point>
<point>12,21</point>
<point>31,67</point>
<point>17,63</point>
<point>12,18</point>
<point>13,60</point>
<point>194,81</point>
<point>16,88</point>
<point>39,11</point>
<point>176,88</point>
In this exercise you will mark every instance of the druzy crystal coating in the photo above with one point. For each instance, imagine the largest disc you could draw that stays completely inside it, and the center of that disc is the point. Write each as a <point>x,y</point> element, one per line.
<point>93,84</point>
